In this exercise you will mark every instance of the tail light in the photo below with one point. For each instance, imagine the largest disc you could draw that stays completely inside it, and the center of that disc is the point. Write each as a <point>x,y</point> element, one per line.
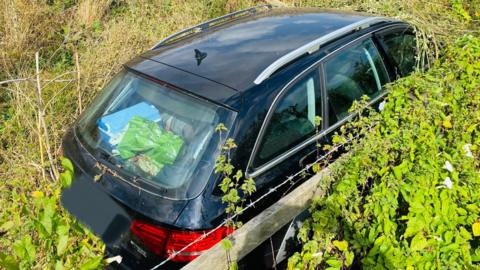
<point>164,242</point>
<point>153,237</point>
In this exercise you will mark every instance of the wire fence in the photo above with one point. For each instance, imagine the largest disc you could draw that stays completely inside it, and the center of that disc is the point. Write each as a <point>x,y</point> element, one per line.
<point>289,179</point>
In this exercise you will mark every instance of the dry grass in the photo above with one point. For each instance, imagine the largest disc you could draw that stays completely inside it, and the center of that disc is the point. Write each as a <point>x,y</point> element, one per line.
<point>90,11</point>
<point>28,26</point>
<point>105,34</point>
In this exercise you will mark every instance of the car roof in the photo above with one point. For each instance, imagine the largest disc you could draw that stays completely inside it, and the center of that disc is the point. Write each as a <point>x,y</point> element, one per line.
<point>236,52</point>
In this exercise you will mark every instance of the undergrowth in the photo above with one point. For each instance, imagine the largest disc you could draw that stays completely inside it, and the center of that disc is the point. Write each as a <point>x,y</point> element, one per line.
<point>407,196</point>
<point>104,34</point>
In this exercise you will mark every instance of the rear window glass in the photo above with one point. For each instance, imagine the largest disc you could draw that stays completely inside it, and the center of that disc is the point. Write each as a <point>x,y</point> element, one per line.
<point>164,137</point>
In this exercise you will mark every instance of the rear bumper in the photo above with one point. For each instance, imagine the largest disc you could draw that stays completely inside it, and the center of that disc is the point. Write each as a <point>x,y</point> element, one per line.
<point>92,206</point>
<point>109,220</point>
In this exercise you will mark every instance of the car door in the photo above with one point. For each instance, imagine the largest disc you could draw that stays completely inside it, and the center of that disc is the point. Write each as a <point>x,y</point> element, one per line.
<point>289,131</point>
<point>347,74</point>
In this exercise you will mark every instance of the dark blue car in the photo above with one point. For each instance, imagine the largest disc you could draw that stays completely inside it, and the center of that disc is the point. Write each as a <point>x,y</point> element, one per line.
<point>266,74</point>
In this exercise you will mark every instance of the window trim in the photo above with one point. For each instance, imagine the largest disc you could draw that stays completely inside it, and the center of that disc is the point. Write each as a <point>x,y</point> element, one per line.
<point>254,172</point>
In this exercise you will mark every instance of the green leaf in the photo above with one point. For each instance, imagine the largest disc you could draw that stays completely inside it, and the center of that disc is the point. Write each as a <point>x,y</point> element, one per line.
<point>92,264</point>
<point>227,244</point>
<point>30,248</point>
<point>225,184</point>
<point>349,256</point>
<point>59,265</point>
<point>63,229</point>
<point>248,187</point>
<point>47,215</point>
<point>413,227</point>
<point>476,229</point>
<point>318,120</point>
<point>66,178</point>
<point>7,226</point>
<point>67,164</point>
<point>448,237</point>
<point>24,249</point>
<point>8,262</point>
<point>334,262</point>
<point>418,242</point>
<point>471,128</point>
<point>316,167</point>
<point>341,245</point>
<point>447,124</point>
<point>307,256</point>
<point>397,172</point>
<point>238,175</point>
<point>233,266</point>
<point>465,234</point>
<point>62,244</point>
<point>221,128</point>
<point>49,206</point>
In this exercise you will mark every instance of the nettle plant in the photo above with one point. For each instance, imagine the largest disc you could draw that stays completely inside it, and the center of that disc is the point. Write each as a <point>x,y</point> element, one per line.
<point>235,187</point>
<point>407,194</point>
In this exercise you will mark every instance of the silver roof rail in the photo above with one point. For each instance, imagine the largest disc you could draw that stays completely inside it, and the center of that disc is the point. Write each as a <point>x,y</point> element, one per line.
<point>205,25</point>
<point>314,45</point>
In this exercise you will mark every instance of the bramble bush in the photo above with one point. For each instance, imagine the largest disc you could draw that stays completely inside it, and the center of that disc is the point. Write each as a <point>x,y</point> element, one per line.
<point>407,194</point>
<point>236,189</point>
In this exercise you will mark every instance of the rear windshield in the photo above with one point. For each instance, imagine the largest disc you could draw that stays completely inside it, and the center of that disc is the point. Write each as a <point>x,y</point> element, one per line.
<point>164,138</point>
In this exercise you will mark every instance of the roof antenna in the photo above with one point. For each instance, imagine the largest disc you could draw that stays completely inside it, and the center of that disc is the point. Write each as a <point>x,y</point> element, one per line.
<point>199,56</point>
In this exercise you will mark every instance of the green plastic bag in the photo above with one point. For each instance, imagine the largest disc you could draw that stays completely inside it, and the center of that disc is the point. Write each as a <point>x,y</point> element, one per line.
<point>167,151</point>
<point>149,147</point>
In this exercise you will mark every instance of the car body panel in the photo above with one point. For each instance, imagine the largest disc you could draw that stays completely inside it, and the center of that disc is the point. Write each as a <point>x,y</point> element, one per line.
<point>235,53</point>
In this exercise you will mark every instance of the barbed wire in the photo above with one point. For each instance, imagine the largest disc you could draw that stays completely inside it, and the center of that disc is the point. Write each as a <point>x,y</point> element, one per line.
<point>252,204</point>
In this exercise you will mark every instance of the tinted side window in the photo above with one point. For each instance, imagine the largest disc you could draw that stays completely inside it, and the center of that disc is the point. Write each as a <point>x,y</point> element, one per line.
<point>293,120</point>
<point>352,73</point>
<point>401,48</point>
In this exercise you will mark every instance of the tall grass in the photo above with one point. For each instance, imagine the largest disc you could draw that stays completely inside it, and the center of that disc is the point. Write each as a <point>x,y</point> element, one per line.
<point>91,11</point>
<point>105,34</point>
